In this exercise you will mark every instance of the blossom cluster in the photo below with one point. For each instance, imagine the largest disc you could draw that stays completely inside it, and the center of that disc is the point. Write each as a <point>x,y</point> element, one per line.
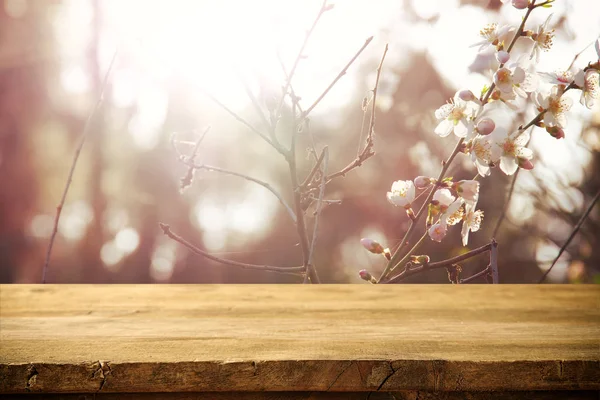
<point>487,140</point>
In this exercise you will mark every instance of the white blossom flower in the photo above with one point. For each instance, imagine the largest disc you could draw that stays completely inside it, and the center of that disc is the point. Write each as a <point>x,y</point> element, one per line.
<point>514,151</point>
<point>558,77</point>
<point>402,193</point>
<point>456,116</point>
<point>438,231</point>
<point>556,106</point>
<point>517,78</point>
<point>484,153</point>
<point>542,39</point>
<point>472,222</point>
<point>588,82</point>
<point>468,190</point>
<point>443,197</point>
<point>493,35</point>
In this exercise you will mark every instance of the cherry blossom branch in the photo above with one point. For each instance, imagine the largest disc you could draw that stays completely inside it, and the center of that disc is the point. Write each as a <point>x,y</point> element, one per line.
<point>445,165</point>
<point>251,179</point>
<point>572,235</point>
<point>284,270</point>
<point>84,134</point>
<point>368,149</point>
<point>408,271</point>
<point>338,77</point>
<point>506,204</point>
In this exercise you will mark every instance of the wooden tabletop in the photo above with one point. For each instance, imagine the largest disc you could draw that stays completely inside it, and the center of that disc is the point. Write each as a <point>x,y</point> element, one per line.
<point>180,338</point>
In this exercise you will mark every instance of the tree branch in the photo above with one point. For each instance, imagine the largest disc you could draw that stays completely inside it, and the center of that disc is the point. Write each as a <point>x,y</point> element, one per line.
<point>84,134</point>
<point>338,77</point>
<point>572,235</point>
<point>284,270</point>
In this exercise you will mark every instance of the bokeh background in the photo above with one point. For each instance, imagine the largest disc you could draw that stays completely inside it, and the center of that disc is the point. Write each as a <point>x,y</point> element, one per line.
<point>53,57</point>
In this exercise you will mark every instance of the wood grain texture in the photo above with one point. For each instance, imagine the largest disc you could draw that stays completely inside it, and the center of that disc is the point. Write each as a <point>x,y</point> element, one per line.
<point>193,338</point>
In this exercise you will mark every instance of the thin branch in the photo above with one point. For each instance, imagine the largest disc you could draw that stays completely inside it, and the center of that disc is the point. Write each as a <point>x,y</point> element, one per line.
<point>338,77</point>
<point>322,11</point>
<point>313,171</point>
<point>572,235</point>
<point>439,264</point>
<point>284,270</point>
<point>249,178</point>
<point>311,251</point>
<point>475,276</point>
<point>506,204</point>
<point>255,103</point>
<point>86,130</point>
<point>494,261</point>
<point>189,175</point>
<point>368,149</point>
<point>309,269</point>
<point>277,147</point>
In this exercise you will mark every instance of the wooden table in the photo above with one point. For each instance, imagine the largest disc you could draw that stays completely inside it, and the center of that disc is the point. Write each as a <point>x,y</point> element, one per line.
<point>300,341</point>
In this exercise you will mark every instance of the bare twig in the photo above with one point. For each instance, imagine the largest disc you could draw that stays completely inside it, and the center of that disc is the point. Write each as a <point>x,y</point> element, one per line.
<point>251,179</point>
<point>284,270</point>
<point>494,261</point>
<point>439,264</point>
<point>310,270</point>
<point>311,251</point>
<point>189,175</point>
<point>84,134</point>
<point>255,104</point>
<point>290,76</point>
<point>338,77</point>
<point>367,151</point>
<point>275,145</point>
<point>475,276</point>
<point>572,235</point>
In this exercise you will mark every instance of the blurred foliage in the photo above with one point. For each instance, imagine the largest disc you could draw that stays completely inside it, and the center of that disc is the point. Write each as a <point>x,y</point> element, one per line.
<point>121,191</point>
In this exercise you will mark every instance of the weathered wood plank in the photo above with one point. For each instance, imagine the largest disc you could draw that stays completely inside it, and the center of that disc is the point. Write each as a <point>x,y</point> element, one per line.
<point>191,338</point>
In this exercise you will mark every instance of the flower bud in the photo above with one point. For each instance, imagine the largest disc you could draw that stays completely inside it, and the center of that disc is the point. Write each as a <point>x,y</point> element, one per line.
<point>424,259</point>
<point>366,276</point>
<point>556,132</point>
<point>524,163</point>
<point>485,126</point>
<point>466,95</point>
<point>502,56</point>
<point>437,232</point>
<point>520,4</point>
<point>371,245</point>
<point>421,182</point>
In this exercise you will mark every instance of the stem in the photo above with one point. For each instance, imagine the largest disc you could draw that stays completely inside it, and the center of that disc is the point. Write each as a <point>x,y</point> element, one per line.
<point>309,270</point>
<point>439,264</point>
<point>84,134</point>
<point>411,251</point>
<point>311,252</point>
<point>337,78</point>
<point>494,261</point>
<point>284,270</point>
<point>367,152</point>
<point>572,235</point>
<point>475,276</point>
<point>251,179</point>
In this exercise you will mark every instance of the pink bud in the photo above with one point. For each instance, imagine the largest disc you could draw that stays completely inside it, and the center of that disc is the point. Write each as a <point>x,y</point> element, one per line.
<point>525,163</point>
<point>485,126</point>
<point>364,275</point>
<point>520,4</point>
<point>421,182</point>
<point>502,56</point>
<point>555,131</point>
<point>466,95</point>
<point>372,245</point>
